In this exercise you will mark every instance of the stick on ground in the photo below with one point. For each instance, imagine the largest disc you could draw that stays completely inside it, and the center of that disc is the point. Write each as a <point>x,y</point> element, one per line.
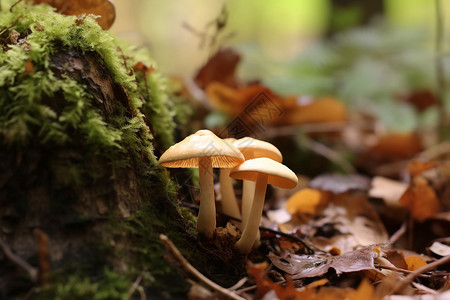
<point>189,268</point>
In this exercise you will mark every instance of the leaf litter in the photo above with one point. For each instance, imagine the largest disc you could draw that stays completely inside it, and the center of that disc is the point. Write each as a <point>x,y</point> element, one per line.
<point>368,232</point>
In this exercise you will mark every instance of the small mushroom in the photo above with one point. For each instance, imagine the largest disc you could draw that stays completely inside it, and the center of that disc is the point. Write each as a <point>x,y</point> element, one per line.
<point>230,206</point>
<point>203,150</point>
<point>253,148</point>
<point>263,171</point>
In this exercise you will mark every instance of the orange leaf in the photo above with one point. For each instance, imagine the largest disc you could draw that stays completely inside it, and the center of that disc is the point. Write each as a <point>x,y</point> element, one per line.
<point>322,110</point>
<point>233,101</point>
<point>306,201</point>
<point>103,8</point>
<point>421,200</point>
<point>396,146</point>
<point>414,262</point>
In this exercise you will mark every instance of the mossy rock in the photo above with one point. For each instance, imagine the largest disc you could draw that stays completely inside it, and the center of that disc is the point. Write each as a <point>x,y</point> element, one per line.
<point>79,129</point>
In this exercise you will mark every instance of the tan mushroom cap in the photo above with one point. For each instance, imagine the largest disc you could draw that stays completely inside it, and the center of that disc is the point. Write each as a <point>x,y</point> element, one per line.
<point>203,143</point>
<point>278,174</point>
<point>253,148</point>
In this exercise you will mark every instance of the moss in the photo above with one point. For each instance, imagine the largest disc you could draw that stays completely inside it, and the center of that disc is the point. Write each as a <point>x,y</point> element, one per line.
<point>43,114</point>
<point>109,286</point>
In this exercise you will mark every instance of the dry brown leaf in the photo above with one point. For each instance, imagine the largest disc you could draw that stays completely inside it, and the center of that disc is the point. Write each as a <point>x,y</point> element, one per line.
<point>265,286</point>
<point>103,8</point>
<point>301,266</point>
<point>348,222</point>
<point>396,146</point>
<point>421,199</point>
<point>221,67</point>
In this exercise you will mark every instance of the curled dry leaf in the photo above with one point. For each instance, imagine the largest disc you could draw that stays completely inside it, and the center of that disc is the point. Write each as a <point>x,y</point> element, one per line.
<point>103,8</point>
<point>301,266</point>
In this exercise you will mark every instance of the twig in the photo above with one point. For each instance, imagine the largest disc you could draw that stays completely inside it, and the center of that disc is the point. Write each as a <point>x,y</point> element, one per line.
<point>246,289</point>
<point>400,270</point>
<point>189,268</point>
<point>398,234</point>
<point>331,154</point>
<point>12,6</point>
<point>238,284</point>
<point>32,271</point>
<point>408,279</point>
<point>434,152</point>
<point>135,286</point>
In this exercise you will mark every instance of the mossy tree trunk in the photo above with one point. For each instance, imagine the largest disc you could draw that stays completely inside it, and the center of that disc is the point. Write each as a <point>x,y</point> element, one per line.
<point>77,163</point>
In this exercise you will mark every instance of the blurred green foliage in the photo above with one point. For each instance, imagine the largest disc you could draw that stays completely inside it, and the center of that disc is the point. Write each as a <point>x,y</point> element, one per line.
<point>369,68</point>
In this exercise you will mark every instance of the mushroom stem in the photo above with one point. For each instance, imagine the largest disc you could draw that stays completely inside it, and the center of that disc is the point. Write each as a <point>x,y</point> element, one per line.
<point>248,191</point>
<point>229,203</point>
<point>248,237</point>
<point>206,221</point>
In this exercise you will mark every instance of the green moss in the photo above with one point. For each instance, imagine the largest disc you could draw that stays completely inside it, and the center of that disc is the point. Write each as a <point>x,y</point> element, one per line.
<point>54,116</point>
<point>109,286</point>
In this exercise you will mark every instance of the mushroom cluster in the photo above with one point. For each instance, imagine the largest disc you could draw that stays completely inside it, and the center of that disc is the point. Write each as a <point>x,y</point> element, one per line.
<point>256,162</point>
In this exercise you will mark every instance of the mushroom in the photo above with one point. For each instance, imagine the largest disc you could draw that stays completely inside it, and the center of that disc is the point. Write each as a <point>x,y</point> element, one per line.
<point>253,148</point>
<point>229,203</point>
<point>203,150</point>
<point>263,171</point>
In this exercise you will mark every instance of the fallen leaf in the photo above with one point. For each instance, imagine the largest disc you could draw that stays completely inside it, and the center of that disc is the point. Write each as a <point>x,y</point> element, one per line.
<point>321,110</point>
<point>103,8</point>
<point>233,101</point>
<point>347,223</point>
<point>306,201</point>
<point>387,189</point>
<point>422,99</point>
<point>340,183</point>
<point>440,249</point>
<point>414,262</point>
<point>421,200</point>
<point>301,266</point>
<point>221,68</point>
<point>396,145</point>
